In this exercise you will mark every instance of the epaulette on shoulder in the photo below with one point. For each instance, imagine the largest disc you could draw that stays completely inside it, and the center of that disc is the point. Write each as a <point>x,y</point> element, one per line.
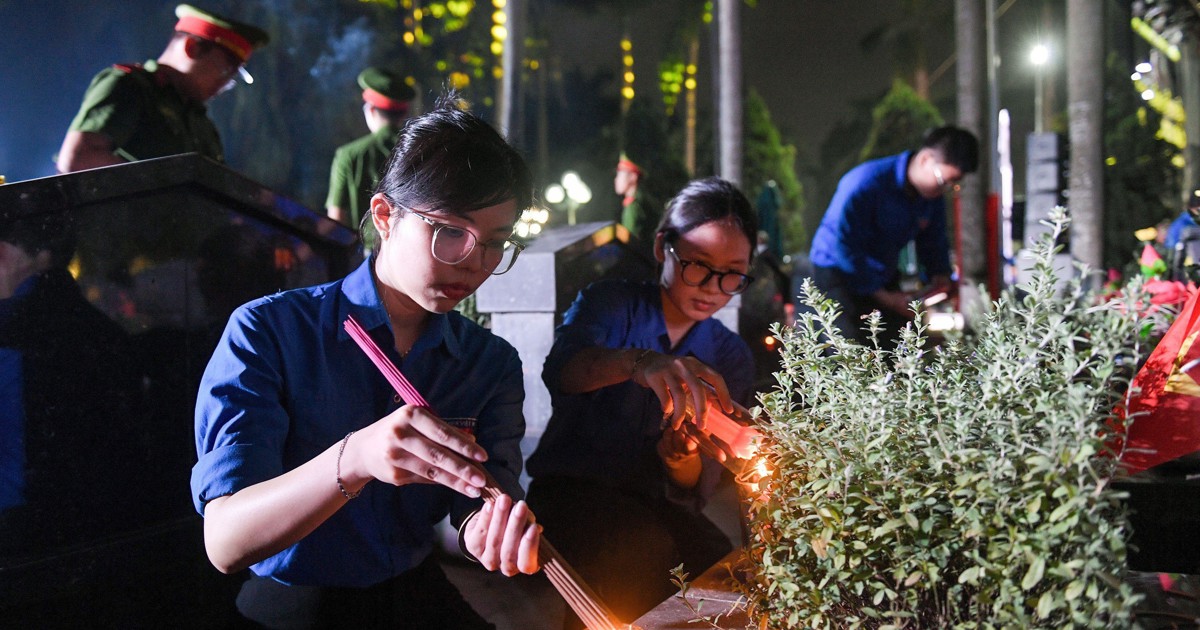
<point>128,67</point>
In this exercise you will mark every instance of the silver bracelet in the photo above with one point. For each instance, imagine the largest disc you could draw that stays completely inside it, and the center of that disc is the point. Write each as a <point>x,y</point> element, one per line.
<point>341,485</point>
<point>462,536</point>
<point>638,361</point>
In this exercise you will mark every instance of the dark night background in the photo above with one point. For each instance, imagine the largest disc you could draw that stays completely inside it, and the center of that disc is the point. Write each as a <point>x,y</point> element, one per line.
<point>805,57</point>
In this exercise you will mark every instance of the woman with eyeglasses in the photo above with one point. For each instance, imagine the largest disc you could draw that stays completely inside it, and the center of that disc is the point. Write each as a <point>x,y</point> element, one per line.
<point>311,471</point>
<point>618,476</point>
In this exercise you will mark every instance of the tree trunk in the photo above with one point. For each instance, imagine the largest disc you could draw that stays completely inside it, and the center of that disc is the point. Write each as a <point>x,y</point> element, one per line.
<point>508,97</point>
<point>972,88</point>
<point>689,143</point>
<point>729,109</point>
<point>1085,110</point>
<point>1189,77</point>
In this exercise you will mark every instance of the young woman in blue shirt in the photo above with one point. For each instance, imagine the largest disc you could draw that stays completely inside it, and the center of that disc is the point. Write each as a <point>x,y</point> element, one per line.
<point>311,472</point>
<point>618,476</point>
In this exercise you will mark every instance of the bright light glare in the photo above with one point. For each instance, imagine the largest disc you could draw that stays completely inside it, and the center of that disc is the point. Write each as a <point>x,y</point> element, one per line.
<point>1039,55</point>
<point>941,322</point>
<point>1147,95</point>
<point>1143,67</point>
<point>576,189</point>
<point>581,193</point>
<point>555,193</point>
<point>1136,76</point>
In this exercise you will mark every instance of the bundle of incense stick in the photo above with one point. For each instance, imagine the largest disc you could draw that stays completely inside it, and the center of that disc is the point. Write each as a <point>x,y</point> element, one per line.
<point>740,438</point>
<point>594,614</point>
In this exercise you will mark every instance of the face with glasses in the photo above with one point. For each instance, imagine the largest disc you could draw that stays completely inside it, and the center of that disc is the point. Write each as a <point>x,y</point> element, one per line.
<point>435,259</point>
<point>945,178</point>
<point>209,67</point>
<point>703,268</point>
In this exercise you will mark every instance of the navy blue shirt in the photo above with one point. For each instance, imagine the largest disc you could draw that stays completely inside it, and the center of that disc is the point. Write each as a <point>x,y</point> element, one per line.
<point>12,410</point>
<point>286,382</point>
<point>610,434</point>
<point>873,214</point>
<point>1175,231</point>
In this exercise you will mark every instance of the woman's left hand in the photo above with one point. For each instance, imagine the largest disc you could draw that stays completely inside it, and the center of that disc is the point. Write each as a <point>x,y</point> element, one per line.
<point>680,384</point>
<point>504,535</point>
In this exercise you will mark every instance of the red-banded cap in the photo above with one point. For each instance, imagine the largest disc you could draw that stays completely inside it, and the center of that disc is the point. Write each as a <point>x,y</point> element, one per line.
<point>239,38</point>
<point>385,89</point>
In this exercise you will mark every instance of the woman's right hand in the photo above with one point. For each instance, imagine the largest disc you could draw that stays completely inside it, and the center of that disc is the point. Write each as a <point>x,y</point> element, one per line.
<point>679,383</point>
<point>411,445</point>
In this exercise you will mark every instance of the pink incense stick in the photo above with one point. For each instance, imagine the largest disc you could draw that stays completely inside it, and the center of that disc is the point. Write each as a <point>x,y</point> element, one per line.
<point>594,613</point>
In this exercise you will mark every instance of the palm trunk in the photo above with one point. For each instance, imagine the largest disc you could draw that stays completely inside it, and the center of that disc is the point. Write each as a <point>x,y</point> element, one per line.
<point>972,88</point>
<point>1085,109</point>
<point>729,108</point>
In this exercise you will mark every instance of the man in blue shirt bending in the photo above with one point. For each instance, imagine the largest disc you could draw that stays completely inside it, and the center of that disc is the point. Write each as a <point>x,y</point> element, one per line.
<point>880,206</point>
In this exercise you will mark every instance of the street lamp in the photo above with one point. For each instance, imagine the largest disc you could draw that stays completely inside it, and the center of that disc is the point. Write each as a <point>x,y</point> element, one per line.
<point>531,222</point>
<point>572,190</point>
<point>1038,56</point>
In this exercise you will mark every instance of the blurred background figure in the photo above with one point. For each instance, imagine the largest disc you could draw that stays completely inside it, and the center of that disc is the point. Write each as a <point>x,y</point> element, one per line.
<point>357,165</point>
<point>1183,239</point>
<point>878,208</point>
<point>66,386</point>
<point>157,108</point>
<point>639,213</point>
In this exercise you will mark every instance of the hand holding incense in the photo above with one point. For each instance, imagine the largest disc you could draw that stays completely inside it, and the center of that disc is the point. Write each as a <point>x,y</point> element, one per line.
<point>594,614</point>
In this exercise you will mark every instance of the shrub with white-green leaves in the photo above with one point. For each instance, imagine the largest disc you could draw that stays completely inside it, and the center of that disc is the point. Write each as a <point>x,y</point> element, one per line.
<point>961,486</point>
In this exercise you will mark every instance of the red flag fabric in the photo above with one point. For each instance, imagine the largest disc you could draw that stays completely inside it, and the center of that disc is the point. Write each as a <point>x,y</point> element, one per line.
<point>1165,405</point>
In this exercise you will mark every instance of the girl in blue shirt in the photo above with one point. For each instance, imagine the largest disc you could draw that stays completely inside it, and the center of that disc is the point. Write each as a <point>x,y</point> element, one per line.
<point>618,476</point>
<point>294,423</point>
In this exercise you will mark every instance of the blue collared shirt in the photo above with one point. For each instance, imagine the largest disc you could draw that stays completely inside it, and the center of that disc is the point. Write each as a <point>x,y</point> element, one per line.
<point>1175,231</point>
<point>610,434</point>
<point>872,216</point>
<point>286,382</point>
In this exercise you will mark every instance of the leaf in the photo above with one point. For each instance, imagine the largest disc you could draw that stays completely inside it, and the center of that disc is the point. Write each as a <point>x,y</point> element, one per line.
<point>1045,605</point>
<point>1034,575</point>
<point>970,575</point>
<point>819,547</point>
<point>913,578</point>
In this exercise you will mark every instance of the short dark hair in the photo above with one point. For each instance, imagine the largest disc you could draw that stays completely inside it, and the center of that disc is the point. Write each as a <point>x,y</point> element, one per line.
<point>706,200</point>
<point>451,160</point>
<point>954,146</point>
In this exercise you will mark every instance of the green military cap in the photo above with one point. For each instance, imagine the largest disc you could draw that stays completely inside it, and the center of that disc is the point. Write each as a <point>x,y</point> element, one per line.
<point>239,38</point>
<point>385,89</point>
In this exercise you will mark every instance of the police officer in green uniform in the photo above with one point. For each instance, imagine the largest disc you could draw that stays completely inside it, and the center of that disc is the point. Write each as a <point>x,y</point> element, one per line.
<point>639,213</point>
<point>357,165</point>
<point>157,108</point>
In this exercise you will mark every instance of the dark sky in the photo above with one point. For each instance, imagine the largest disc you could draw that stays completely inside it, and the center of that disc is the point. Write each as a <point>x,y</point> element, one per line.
<point>803,57</point>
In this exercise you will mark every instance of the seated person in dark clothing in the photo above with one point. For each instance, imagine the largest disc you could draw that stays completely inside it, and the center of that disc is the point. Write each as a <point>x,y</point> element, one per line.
<point>618,477</point>
<point>67,399</point>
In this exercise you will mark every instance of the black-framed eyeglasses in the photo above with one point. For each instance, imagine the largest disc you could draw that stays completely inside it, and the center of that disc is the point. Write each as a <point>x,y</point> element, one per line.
<point>451,245</point>
<point>695,273</point>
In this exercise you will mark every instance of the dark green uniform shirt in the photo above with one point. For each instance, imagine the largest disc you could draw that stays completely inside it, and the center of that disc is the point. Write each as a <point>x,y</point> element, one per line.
<point>144,116</point>
<point>356,169</point>
<point>641,217</point>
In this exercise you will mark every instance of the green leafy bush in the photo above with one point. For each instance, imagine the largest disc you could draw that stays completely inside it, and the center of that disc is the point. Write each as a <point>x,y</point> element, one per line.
<point>962,486</point>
